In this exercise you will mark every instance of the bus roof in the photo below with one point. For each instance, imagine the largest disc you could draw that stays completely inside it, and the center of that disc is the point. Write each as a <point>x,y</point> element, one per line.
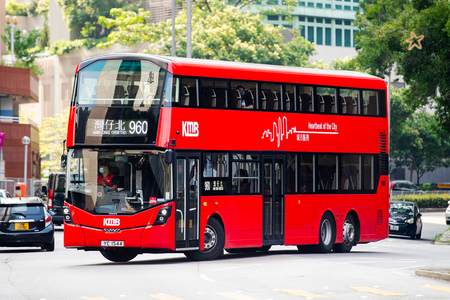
<point>250,71</point>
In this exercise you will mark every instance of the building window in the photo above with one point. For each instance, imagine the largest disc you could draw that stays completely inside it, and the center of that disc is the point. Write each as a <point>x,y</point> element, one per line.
<point>310,20</point>
<point>338,22</point>
<point>328,36</point>
<point>319,20</point>
<point>339,7</point>
<point>355,8</point>
<point>347,38</point>
<point>339,37</point>
<point>310,4</point>
<point>319,5</point>
<point>272,18</point>
<point>348,23</point>
<point>301,18</point>
<point>319,32</point>
<point>327,21</point>
<point>347,7</point>
<point>302,32</point>
<point>311,34</point>
<point>328,6</point>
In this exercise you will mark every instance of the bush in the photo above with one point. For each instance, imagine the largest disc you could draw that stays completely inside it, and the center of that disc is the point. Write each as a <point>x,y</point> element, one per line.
<point>426,201</point>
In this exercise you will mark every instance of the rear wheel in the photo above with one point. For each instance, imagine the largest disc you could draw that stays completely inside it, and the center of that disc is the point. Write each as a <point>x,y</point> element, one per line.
<point>121,255</point>
<point>214,242</point>
<point>350,236</point>
<point>327,233</point>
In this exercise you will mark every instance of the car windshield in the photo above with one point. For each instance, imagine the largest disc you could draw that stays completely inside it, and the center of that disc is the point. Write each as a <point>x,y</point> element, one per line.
<point>401,209</point>
<point>118,181</point>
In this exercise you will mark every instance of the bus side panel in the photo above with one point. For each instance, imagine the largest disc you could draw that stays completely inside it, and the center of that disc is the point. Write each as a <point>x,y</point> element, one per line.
<point>242,217</point>
<point>73,236</point>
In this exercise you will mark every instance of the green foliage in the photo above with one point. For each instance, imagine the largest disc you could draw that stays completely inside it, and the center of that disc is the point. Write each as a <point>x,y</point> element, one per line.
<point>82,15</point>
<point>63,46</point>
<point>25,49</point>
<point>52,132</point>
<point>14,8</point>
<point>217,33</point>
<point>386,25</point>
<point>416,139</point>
<point>429,200</point>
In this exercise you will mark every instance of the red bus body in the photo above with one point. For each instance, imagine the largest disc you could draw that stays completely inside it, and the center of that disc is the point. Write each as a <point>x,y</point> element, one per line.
<point>269,134</point>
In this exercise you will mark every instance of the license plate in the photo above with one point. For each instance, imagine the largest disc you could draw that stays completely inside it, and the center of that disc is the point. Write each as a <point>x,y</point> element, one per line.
<point>112,243</point>
<point>21,226</point>
<point>393,227</point>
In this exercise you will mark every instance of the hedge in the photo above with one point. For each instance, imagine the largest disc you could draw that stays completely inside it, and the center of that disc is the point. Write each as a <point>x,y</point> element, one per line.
<point>426,201</point>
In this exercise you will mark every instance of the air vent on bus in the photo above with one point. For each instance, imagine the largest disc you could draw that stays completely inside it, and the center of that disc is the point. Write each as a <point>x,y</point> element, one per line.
<point>383,160</point>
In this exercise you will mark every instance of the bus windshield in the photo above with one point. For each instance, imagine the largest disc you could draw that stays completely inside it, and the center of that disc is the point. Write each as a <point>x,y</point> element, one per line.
<point>118,182</point>
<point>118,102</point>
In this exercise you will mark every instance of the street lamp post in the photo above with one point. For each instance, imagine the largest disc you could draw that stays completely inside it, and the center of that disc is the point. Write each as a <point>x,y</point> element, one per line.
<point>26,142</point>
<point>12,22</point>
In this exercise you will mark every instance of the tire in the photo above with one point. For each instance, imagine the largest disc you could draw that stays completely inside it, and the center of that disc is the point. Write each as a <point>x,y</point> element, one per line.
<point>49,247</point>
<point>413,235</point>
<point>350,232</point>
<point>118,255</point>
<point>327,233</point>
<point>214,242</point>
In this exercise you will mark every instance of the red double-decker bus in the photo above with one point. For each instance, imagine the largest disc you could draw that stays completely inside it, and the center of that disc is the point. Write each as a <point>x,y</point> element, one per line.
<point>197,156</point>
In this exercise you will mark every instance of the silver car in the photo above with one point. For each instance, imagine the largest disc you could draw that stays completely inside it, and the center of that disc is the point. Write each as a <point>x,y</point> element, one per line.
<point>4,194</point>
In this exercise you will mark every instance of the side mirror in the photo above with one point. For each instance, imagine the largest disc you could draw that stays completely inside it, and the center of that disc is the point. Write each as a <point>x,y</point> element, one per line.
<point>63,161</point>
<point>168,156</point>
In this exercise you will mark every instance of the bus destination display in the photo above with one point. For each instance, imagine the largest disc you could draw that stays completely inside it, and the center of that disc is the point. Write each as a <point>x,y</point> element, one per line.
<point>117,128</point>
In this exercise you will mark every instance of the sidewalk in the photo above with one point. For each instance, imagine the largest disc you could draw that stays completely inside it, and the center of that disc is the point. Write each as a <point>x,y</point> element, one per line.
<point>435,274</point>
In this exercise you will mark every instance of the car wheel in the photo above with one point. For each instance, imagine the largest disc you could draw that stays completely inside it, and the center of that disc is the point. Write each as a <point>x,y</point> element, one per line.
<point>327,233</point>
<point>118,255</point>
<point>49,246</point>
<point>350,236</point>
<point>413,235</point>
<point>214,242</point>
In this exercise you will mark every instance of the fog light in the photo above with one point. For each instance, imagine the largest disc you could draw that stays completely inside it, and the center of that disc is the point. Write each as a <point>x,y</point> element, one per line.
<point>163,215</point>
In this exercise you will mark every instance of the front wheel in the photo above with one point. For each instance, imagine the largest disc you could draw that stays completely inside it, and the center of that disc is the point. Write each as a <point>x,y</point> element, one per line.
<point>214,242</point>
<point>327,233</point>
<point>349,235</point>
<point>118,255</point>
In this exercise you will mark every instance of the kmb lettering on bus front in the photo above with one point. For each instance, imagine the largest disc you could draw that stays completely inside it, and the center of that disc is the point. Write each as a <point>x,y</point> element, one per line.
<point>190,128</point>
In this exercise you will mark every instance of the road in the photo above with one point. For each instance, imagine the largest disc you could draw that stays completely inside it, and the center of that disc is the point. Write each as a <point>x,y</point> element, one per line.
<point>380,270</point>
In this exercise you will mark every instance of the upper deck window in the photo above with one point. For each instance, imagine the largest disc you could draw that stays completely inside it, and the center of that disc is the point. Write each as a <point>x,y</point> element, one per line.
<point>132,83</point>
<point>119,102</point>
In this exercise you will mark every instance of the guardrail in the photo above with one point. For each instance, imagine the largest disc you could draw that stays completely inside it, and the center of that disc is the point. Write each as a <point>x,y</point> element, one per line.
<point>401,193</point>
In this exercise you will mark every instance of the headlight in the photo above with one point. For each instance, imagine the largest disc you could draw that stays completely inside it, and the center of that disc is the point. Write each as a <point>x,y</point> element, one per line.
<point>410,221</point>
<point>163,214</point>
<point>67,215</point>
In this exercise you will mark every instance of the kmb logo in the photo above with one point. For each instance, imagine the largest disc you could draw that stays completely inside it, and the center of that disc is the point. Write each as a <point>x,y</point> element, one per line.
<point>190,128</point>
<point>111,222</point>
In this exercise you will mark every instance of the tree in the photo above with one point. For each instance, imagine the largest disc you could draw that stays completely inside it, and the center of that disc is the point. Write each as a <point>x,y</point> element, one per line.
<point>220,32</point>
<point>52,133</point>
<point>416,139</point>
<point>82,15</point>
<point>383,43</point>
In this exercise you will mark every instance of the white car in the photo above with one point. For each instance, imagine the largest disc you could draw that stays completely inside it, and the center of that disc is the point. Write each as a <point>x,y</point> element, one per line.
<point>447,214</point>
<point>4,194</point>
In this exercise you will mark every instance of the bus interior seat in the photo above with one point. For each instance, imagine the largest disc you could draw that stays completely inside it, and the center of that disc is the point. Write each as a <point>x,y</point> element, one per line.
<point>184,98</point>
<point>289,96</point>
<point>192,96</point>
<point>328,103</point>
<point>263,100</point>
<point>132,91</point>
<point>351,108</point>
<point>320,103</point>
<point>372,106</point>
<point>343,105</point>
<point>276,101</point>
<point>207,97</point>
<point>119,93</point>
<point>235,99</point>
<point>306,103</point>
<point>220,98</point>
<point>269,100</point>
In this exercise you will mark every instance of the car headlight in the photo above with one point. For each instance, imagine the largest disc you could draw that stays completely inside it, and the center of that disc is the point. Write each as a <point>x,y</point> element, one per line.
<point>410,221</point>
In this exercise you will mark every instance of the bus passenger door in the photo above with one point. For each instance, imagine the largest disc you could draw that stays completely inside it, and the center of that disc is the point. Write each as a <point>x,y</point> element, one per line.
<point>187,199</point>
<point>273,199</point>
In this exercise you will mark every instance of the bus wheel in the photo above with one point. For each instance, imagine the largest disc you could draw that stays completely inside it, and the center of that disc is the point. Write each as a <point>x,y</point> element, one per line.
<point>327,233</point>
<point>214,242</point>
<point>349,232</point>
<point>118,255</point>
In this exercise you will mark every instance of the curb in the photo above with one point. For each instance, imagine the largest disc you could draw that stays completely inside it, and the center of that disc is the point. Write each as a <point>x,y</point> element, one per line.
<point>435,274</point>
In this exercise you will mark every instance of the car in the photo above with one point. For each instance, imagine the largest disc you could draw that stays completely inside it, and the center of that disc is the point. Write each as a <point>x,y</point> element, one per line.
<point>55,196</point>
<point>4,194</point>
<point>447,214</point>
<point>405,219</point>
<point>26,222</point>
<point>404,186</point>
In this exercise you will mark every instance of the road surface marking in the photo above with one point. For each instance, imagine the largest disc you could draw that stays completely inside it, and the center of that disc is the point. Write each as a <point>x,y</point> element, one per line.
<point>438,288</point>
<point>236,296</point>
<point>94,298</point>
<point>370,290</point>
<point>165,297</point>
<point>303,294</point>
